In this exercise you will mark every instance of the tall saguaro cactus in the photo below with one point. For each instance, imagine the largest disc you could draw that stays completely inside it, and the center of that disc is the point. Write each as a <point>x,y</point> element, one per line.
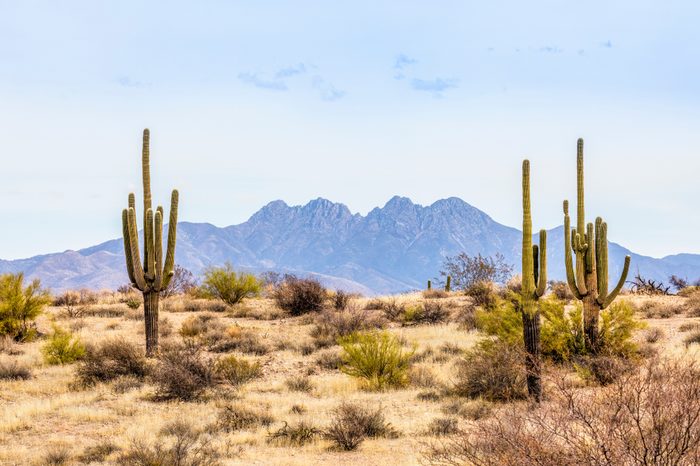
<point>155,274</point>
<point>534,285</point>
<point>588,279</point>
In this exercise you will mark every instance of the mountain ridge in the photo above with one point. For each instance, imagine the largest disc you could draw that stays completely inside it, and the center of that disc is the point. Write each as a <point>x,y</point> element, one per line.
<point>393,248</point>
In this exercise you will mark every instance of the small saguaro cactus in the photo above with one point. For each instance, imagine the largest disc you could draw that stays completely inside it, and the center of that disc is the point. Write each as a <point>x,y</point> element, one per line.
<point>448,284</point>
<point>154,275</point>
<point>534,285</point>
<point>430,285</point>
<point>588,280</point>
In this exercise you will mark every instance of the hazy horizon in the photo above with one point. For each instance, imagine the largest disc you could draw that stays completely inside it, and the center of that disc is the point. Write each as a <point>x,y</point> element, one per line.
<point>249,103</point>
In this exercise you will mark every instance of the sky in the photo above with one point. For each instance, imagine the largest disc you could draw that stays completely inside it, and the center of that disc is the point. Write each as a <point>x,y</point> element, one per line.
<point>252,101</point>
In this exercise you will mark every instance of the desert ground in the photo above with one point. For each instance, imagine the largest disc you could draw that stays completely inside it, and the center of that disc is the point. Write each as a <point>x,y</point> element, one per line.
<point>50,418</point>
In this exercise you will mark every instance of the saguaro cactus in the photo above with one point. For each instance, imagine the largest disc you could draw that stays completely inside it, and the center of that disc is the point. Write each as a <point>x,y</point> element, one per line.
<point>154,275</point>
<point>448,284</point>
<point>430,285</point>
<point>588,280</point>
<point>534,285</point>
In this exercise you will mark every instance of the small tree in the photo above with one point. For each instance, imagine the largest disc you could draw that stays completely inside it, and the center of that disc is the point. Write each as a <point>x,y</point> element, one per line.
<point>229,286</point>
<point>182,282</point>
<point>466,270</point>
<point>20,305</point>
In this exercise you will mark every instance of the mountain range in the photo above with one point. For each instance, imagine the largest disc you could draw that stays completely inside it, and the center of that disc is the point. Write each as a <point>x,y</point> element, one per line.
<point>394,248</point>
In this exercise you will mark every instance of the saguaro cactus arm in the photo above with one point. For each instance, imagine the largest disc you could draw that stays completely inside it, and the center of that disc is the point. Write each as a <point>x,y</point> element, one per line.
<point>541,271</point>
<point>568,259</point>
<point>604,298</point>
<point>169,266</point>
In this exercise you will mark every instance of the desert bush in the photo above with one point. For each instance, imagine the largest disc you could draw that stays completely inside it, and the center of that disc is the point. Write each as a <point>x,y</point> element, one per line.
<point>111,359</point>
<point>20,305</point>
<point>660,308</point>
<point>561,290</point>
<point>133,302</point>
<point>235,417</point>
<point>97,453</point>
<point>692,304</point>
<point>377,358</point>
<point>483,294</point>
<point>647,417</point>
<point>236,371</point>
<point>202,326</point>
<point>299,384</point>
<point>300,295</point>
<point>430,312</point>
<point>443,426</point>
<point>466,317</point>
<point>183,372</point>
<point>178,444</point>
<point>62,348</point>
<point>693,338</point>
<point>295,435</point>
<point>340,300</point>
<point>654,334</point>
<point>231,287</point>
<point>351,423</point>
<point>688,326</point>
<point>70,302</point>
<point>493,370</point>
<point>602,369</point>
<point>13,370</point>
<point>330,325</point>
<point>467,270</point>
<point>422,376</point>
<point>329,359</point>
<point>56,456</point>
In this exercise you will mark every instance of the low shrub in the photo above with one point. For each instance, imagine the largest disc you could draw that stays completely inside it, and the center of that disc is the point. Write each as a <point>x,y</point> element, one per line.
<point>493,370</point>
<point>299,384</point>
<point>473,410</point>
<point>483,294</point>
<point>236,339</point>
<point>111,359</point>
<point>561,290</point>
<point>236,371</point>
<point>97,453</point>
<point>329,325</point>
<point>443,426</point>
<point>422,376</point>
<point>329,359</point>
<point>430,312</point>
<point>300,295</point>
<point>340,299</point>
<point>62,348</point>
<point>693,338</point>
<point>654,334</point>
<point>178,444</point>
<point>230,286</point>
<point>13,370</point>
<point>294,435</point>
<point>235,417</point>
<point>351,423</point>
<point>377,358</point>
<point>602,369</point>
<point>646,417</point>
<point>56,456</point>
<point>183,372</point>
<point>435,294</point>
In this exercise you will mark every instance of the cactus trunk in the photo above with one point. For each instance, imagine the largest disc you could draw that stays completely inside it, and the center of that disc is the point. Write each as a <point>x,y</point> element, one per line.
<point>150,312</point>
<point>448,284</point>
<point>588,279</point>
<point>534,284</point>
<point>153,276</point>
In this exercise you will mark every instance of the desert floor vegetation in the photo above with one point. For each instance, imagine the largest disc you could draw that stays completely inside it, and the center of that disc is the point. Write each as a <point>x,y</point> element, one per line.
<point>358,381</point>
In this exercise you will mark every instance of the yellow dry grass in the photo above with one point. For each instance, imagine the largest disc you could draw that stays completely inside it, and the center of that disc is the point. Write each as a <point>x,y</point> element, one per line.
<point>49,412</point>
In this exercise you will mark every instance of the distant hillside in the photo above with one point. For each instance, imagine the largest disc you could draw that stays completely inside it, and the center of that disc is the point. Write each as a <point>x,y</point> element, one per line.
<point>392,249</point>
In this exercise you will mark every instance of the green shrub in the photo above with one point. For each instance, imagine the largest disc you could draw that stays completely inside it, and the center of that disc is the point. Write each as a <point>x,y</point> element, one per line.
<point>230,286</point>
<point>236,371</point>
<point>562,335</point>
<point>63,348</point>
<point>20,305</point>
<point>376,357</point>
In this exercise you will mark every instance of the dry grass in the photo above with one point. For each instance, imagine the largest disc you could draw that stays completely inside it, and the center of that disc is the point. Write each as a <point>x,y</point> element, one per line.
<point>49,414</point>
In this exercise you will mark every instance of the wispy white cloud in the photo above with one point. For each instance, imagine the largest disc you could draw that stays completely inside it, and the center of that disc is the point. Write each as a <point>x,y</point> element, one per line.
<point>126,81</point>
<point>401,63</point>
<point>255,80</point>
<point>326,90</point>
<point>290,71</point>
<point>435,86</point>
<point>607,44</point>
<point>551,49</point>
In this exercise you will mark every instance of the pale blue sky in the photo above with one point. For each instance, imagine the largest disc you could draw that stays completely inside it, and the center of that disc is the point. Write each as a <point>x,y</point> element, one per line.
<point>248,102</point>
